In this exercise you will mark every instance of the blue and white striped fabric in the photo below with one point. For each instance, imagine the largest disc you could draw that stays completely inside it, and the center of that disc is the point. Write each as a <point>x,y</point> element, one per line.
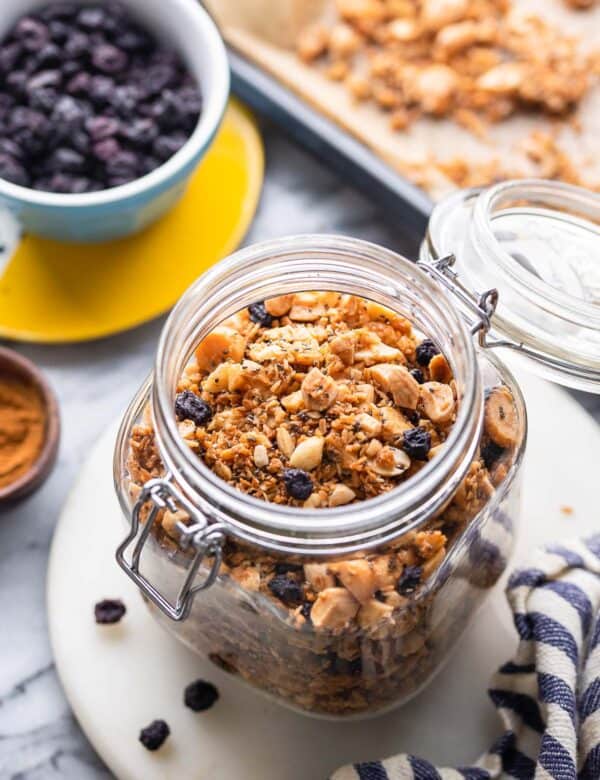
<point>548,695</point>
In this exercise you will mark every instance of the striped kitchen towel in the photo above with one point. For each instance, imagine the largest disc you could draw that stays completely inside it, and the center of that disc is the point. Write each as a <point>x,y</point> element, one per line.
<point>548,695</point>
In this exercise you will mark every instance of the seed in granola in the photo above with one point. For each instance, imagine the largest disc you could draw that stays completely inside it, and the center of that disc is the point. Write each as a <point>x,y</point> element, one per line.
<point>154,735</point>
<point>417,374</point>
<point>298,484</point>
<point>259,314</point>
<point>425,351</point>
<point>286,589</point>
<point>189,406</point>
<point>200,695</point>
<point>109,611</point>
<point>417,443</point>
<point>490,453</point>
<point>409,580</point>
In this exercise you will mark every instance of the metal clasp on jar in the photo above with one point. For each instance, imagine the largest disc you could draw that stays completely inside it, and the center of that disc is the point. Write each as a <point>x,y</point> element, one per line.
<point>206,539</point>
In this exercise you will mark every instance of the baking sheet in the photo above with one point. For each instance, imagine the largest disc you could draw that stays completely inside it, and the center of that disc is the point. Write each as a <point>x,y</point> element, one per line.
<point>265,40</point>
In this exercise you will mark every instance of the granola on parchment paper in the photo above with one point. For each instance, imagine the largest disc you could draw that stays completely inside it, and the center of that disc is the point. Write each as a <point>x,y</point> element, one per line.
<point>473,62</point>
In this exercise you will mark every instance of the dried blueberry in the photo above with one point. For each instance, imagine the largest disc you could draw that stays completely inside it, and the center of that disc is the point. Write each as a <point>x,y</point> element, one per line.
<point>286,590</point>
<point>64,159</point>
<point>9,55</point>
<point>91,18</point>
<point>409,580</point>
<point>12,170</point>
<point>109,611</point>
<point>259,314</point>
<point>416,443</point>
<point>48,55</point>
<point>189,406</point>
<point>100,127</point>
<point>490,453</point>
<point>124,99</point>
<point>59,31</point>
<point>58,11</point>
<point>425,351</point>
<point>298,484</point>
<point>43,99</point>
<point>123,164</point>
<point>79,84</point>
<point>101,89</point>
<point>417,374</point>
<point>165,146</point>
<point>16,82</point>
<point>77,45</point>
<point>200,695</point>
<point>154,735</point>
<point>157,78</point>
<point>133,40</point>
<point>8,146</point>
<point>106,149</point>
<point>70,112</point>
<point>140,131</point>
<point>44,79</point>
<point>32,33</point>
<point>305,609</point>
<point>109,58</point>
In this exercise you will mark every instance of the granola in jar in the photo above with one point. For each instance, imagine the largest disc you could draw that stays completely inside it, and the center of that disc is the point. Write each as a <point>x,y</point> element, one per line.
<point>320,400</point>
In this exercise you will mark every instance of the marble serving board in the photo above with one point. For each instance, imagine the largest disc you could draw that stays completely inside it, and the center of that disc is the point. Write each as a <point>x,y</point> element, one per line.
<point>119,678</point>
<point>265,34</point>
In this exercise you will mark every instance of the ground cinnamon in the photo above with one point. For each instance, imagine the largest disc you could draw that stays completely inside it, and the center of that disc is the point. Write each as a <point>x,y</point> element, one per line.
<point>22,427</point>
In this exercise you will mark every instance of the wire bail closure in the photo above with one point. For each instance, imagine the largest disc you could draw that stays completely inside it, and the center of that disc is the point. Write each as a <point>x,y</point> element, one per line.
<point>482,306</point>
<point>206,538</point>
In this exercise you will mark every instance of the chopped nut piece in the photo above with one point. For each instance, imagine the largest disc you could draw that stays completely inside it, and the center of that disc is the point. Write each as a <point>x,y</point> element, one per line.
<point>280,305</point>
<point>505,78</point>
<point>221,343</point>
<point>285,442</point>
<point>393,423</point>
<point>357,576</point>
<point>312,44</point>
<point>437,401</point>
<point>438,13</point>
<point>169,522</point>
<point>343,346</point>
<point>217,380</point>
<point>260,456</point>
<point>439,370</point>
<point>390,462</point>
<point>319,391</point>
<point>434,87</point>
<point>306,308</point>
<point>293,402</point>
<point>343,41</point>
<point>333,608</point>
<point>373,612</point>
<point>397,381</point>
<point>295,343</point>
<point>500,420</point>
<point>341,495</point>
<point>318,577</point>
<point>308,454</point>
<point>368,425</point>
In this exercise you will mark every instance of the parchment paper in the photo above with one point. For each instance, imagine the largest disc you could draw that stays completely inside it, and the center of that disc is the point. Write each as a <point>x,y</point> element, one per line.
<point>264,31</point>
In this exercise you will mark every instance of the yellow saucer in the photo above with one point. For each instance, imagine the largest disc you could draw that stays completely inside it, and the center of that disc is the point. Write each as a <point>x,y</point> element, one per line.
<point>55,292</point>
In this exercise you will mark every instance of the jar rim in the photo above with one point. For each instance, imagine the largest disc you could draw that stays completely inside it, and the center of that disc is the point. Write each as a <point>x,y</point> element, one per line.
<point>314,262</point>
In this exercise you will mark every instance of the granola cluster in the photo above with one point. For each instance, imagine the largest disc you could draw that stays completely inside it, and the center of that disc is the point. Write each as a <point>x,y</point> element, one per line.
<point>318,400</point>
<point>474,62</point>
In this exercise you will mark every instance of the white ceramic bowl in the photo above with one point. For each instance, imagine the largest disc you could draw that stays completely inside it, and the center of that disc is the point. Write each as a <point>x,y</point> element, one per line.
<point>120,211</point>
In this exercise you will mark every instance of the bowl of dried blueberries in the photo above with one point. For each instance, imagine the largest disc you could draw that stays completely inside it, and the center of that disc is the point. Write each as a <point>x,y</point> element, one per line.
<point>106,109</point>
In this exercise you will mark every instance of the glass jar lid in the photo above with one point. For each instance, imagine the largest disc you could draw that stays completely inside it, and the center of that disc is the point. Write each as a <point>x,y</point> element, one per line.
<point>538,244</point>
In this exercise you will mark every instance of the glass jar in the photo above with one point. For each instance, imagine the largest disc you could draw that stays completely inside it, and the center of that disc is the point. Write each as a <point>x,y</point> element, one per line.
<point>354,669</point>
<point>381,655</point>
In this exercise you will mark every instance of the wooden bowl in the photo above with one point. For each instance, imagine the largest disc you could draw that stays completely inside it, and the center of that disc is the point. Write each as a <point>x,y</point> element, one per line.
<point>13,363</point>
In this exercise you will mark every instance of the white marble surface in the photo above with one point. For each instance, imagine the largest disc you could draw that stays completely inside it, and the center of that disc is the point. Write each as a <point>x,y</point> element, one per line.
<point>39,738</point>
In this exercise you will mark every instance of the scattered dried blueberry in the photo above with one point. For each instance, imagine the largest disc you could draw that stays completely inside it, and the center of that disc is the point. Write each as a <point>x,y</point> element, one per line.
<point>259,314</point>
<point>154,735</point>
<point>417,374</point>
<point>109,59</point>
<point>298,484</point>
<point>109,611</point>
<point>425,351</point>
<point>189,406</point>
<point>409,580</point>
<point>305,609</point>
<point>200,695</point>
<point>416,443</point>
<point>490,453</point>
<point>286,589</point>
